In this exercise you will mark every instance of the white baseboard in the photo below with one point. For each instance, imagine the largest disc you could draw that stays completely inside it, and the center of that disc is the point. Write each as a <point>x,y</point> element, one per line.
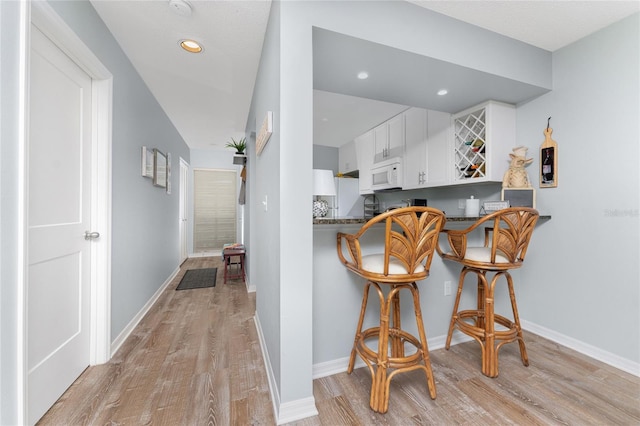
<point>289,411</point>
<point>115,345</point>
<point>297,410</point>
<point>250,288</point>
<point>271,379</point>
<point>584,348</point>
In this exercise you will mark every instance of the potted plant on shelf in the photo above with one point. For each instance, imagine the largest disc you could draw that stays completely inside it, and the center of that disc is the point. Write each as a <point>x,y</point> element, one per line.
<point>239,146</point>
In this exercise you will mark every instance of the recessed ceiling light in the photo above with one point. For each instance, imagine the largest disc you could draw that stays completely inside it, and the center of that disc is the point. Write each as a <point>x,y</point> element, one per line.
<point>442,92</point>
<point>363,75</point>
<point>191,46</point>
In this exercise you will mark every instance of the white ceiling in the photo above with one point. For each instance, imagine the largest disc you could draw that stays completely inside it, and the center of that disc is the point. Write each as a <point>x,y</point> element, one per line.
<point>548,25</point>
<point>207,96</point>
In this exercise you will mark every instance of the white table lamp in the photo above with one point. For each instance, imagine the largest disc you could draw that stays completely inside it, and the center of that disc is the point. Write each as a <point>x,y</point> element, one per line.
<point>323,185</point>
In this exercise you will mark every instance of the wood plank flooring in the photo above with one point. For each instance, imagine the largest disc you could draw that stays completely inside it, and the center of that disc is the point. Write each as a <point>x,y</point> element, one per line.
<point>195,360</point>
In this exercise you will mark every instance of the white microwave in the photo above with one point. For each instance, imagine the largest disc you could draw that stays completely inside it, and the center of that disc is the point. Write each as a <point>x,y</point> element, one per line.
<point>387,175</point>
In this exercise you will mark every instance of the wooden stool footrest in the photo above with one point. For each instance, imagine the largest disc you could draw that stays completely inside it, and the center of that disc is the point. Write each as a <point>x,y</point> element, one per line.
<point>472,330</point>
<point>393,361</point>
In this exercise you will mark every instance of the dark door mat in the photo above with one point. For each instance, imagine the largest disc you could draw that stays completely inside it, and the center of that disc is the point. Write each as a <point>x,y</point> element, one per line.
<point>198,278</point>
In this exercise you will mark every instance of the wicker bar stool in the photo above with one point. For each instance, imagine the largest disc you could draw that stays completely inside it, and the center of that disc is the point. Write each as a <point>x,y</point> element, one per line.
<point>506,238</point>
<point>410,239</point>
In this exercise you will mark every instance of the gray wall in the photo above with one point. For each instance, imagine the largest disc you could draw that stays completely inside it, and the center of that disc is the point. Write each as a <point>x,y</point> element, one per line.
<point>144,218</point>
<point>325,158</point>
<point>264,182</point>
<point>581,277</point>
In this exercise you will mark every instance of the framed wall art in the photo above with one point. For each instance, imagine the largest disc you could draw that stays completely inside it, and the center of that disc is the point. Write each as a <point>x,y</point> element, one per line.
<point>159,169</point>
<point>147,162</point>
<point>265,132</point>
<point>169,173</point>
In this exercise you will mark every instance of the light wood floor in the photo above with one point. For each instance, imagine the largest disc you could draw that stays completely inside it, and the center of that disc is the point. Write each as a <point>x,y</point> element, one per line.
<point>195,360</point>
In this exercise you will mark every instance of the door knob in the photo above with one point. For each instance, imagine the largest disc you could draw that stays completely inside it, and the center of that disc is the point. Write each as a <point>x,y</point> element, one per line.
<point>91,235</point>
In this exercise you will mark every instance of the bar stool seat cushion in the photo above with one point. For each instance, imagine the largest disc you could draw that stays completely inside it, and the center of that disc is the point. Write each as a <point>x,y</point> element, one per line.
<point>375,263</point>
<point>482,254</point>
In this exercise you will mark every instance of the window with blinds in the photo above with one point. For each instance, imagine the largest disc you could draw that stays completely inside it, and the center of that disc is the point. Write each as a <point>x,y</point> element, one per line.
<point>214,209</point>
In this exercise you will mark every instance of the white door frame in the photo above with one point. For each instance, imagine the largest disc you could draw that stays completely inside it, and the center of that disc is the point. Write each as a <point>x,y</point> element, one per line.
<point>42,15</point>
<point>184,210</point>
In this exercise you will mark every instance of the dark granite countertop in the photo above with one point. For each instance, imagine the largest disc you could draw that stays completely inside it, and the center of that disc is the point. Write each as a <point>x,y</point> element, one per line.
<point>362,220</point>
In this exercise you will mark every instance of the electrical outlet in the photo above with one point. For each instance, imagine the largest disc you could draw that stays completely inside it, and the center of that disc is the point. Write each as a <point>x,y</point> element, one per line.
<point>447,288</point>
<point>462,203</point>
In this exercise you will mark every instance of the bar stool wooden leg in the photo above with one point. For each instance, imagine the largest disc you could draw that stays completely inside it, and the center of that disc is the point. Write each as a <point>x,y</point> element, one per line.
<point>516,320</point>
<point>489,352</point>
<point>397,346</point>
<point>379,387</point>
<point>431,384</point>
<point>456,305</point>
<point>356,339</point>
<point>480,299</point>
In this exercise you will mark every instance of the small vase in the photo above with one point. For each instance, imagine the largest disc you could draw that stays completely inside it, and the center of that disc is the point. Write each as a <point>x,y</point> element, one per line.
<point>320,208</point>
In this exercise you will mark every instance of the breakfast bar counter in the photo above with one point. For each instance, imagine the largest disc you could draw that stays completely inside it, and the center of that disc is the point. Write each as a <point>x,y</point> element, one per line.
<point>362,220</point>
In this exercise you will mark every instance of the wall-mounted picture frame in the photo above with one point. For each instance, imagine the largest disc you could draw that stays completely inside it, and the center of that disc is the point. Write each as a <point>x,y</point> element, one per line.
<point>147,162</point>
<point>519,197</point>
<point>159,169</point>
<point>264,133</point>
<point>169,173</point>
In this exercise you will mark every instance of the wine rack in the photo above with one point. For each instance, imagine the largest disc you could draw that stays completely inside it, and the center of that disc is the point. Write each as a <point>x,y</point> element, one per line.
<point>483,138</point>
<point>470,145</point>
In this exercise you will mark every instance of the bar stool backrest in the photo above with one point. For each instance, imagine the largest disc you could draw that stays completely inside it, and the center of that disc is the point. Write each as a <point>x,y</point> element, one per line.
<point>410,240</point>
<point>507,236</point>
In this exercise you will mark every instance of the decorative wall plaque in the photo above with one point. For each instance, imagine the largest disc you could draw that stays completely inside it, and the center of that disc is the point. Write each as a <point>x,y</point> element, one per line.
<point>264,133</point>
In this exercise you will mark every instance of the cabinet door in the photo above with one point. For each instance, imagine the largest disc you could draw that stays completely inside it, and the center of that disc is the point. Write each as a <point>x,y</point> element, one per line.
<point>415,154</point>
<point>437,147</point>
<point>395,147</point>
<point>347,160</point>
<point>364,152</point>
<point>381,142</point>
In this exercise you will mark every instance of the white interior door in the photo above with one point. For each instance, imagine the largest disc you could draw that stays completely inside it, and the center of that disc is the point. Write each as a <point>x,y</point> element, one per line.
<point>59,203</point>
<point>184,209</point>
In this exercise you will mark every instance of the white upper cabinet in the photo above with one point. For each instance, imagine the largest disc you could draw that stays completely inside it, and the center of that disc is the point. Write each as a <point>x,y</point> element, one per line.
<point>426,148</point>
<point>347,159</point>
<point>483,138</point>
<point>415,157</point>
<point>364,152</point>
<point>438,148</point>
<point>438,143</point>
<point>389,139</point>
